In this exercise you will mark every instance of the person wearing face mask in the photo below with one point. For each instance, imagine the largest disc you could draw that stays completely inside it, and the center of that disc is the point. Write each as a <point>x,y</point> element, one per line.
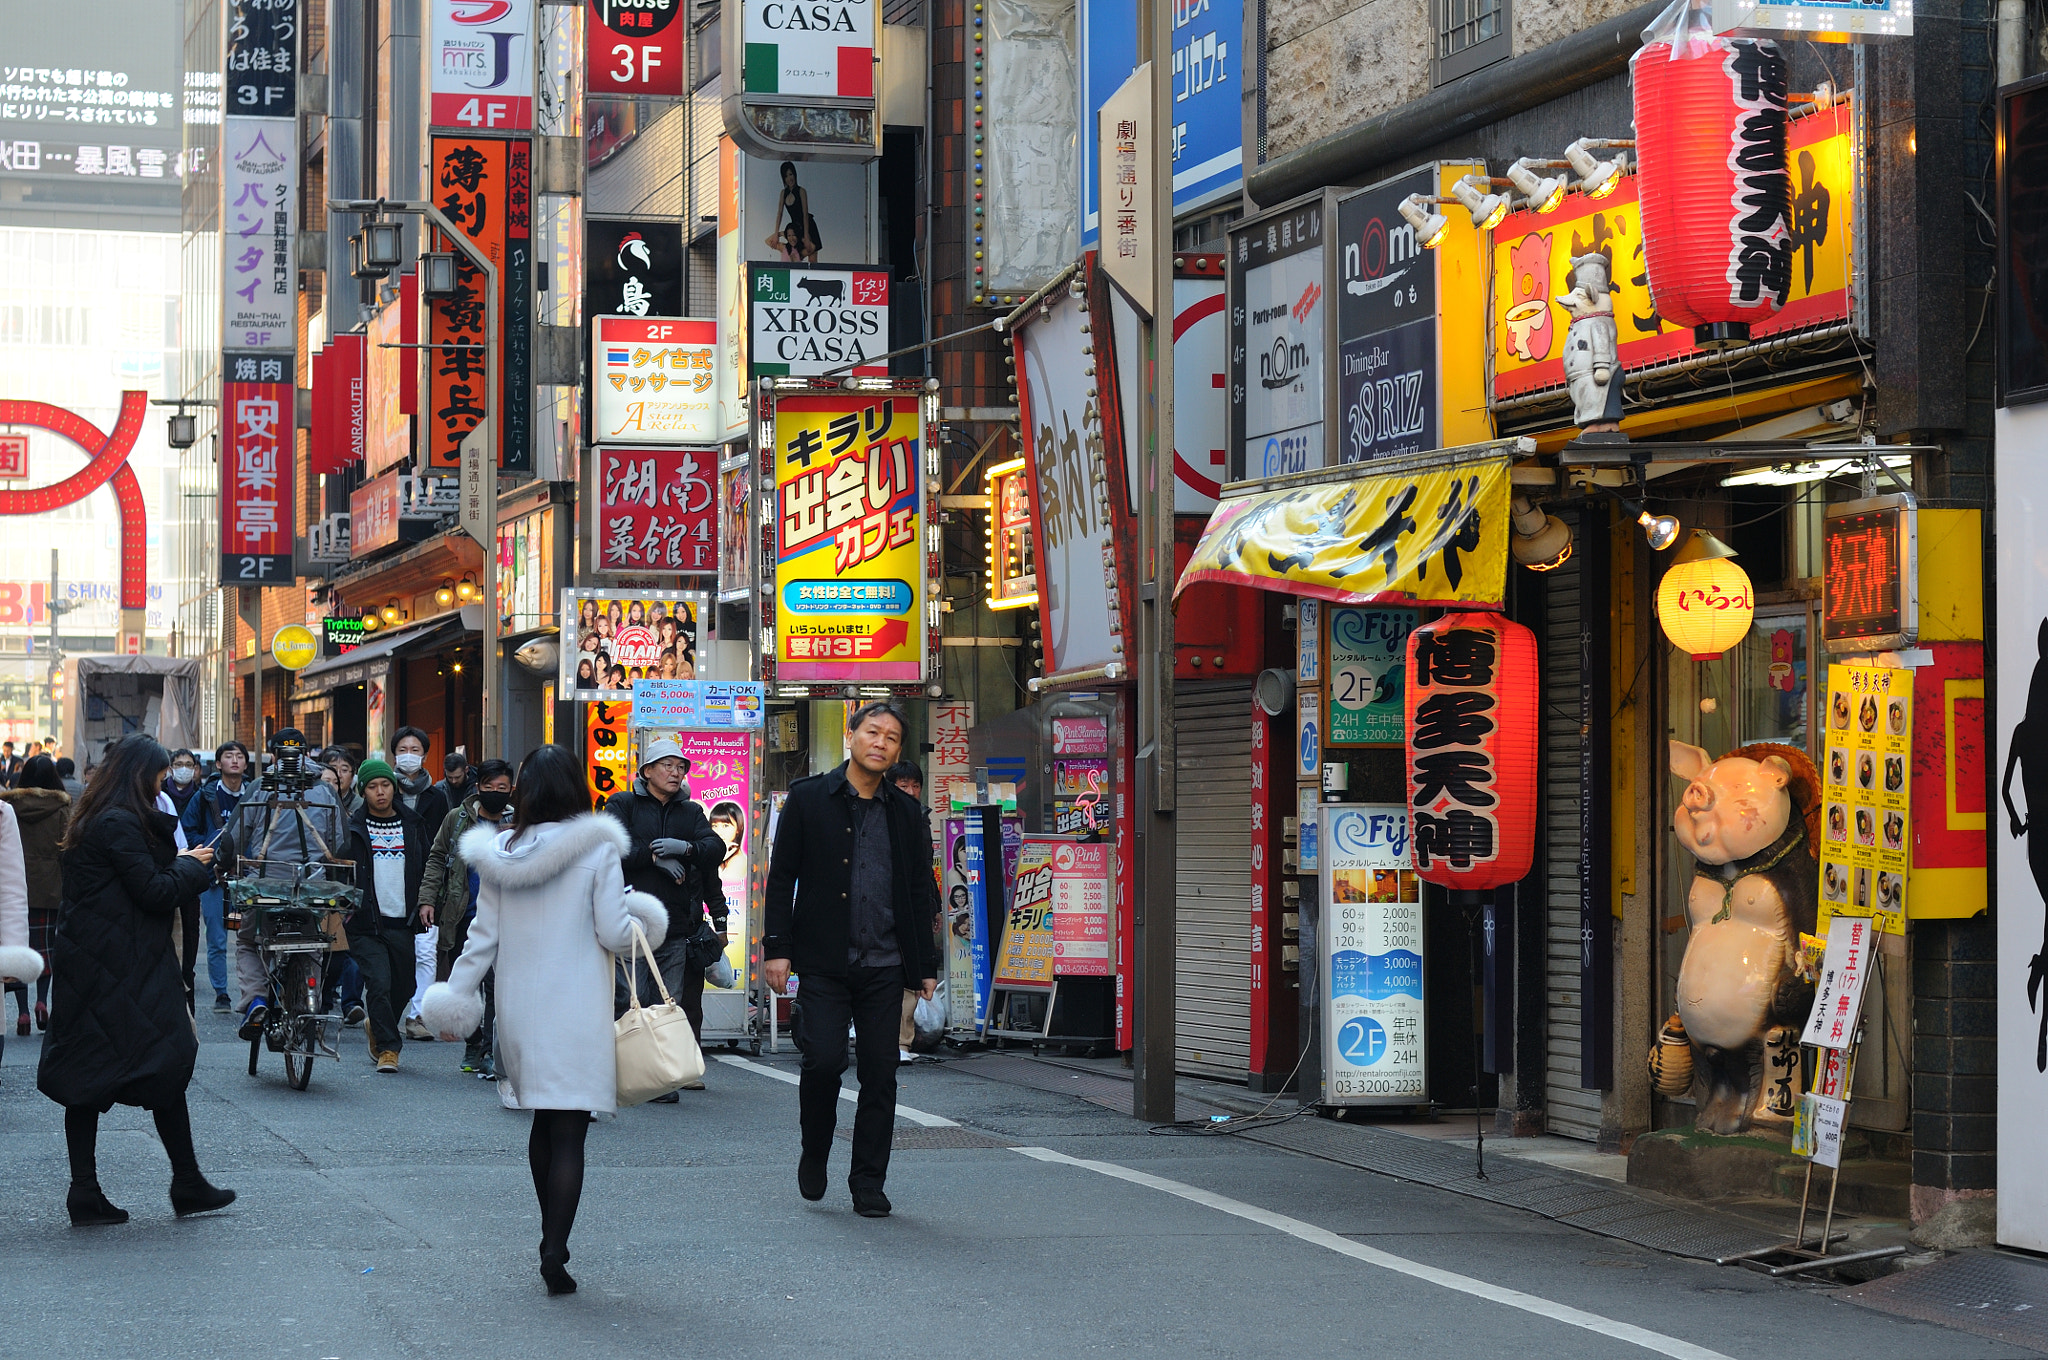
<point>418,791</point>
<point>448,893</point>
<point>206,812</point>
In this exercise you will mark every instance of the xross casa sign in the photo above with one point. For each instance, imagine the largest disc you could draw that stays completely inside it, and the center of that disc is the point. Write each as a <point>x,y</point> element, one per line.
<point>811,322</point>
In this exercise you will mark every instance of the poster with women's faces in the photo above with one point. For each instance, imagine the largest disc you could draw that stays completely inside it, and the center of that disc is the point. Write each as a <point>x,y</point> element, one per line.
<point>1866,783</point>
<point>613,636</point>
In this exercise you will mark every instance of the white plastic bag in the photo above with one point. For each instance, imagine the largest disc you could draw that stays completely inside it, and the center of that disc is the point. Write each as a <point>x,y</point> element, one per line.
<point>929,1019</point>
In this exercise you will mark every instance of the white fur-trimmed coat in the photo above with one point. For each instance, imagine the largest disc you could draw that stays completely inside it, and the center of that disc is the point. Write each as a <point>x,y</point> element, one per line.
<point>552,908</point>
<point>17,960</point>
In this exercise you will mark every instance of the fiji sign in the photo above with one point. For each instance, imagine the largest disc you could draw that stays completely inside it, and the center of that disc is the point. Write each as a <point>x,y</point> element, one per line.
<point>807,323</point>
<point>1532,265</point>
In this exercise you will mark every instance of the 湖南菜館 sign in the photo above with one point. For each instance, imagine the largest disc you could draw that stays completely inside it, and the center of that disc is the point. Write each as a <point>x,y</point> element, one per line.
<point>806,323</point>
<point>849,517</point>
<point>652,380</point>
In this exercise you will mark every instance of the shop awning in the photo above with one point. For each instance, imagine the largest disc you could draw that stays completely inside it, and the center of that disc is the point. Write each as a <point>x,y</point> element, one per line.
<point>1436,534</point>
<point>351,667</point>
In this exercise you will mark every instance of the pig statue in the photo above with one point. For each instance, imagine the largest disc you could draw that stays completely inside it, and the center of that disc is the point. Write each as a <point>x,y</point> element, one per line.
<point>1751,822</point>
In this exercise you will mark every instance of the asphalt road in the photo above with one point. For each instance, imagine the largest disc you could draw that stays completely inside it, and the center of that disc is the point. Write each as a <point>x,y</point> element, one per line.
<point>393,1216</point>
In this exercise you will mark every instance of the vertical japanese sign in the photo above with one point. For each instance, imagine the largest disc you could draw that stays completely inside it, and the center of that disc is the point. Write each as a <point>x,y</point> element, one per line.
<point>656,510</point>
<point>607,754</point>
<point>850,561</point>
<point>635,47</point>
<point>738,533</point>
<point>1838,996</point>
<point>1080,908</point>
<point>1368,652</point>
<point>1867,790</point>
<point>484,186</point>
<point>1124,131</point>
<point>720,779</point>
<point>1372,957</point>
<point>651,380</point>
<point>1386,324</point>
<point>947,724</point>
<point>967,943</point>
<point>1277,343</point>
<point>259,235</point>
<point>340,405</point>
<point>732,297</point>
<point>262,66</point>
<point>258,400</point>
<point>480,65</point>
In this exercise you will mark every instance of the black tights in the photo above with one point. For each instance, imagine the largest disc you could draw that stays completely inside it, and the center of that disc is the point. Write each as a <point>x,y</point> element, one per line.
<point>173,1126</point>
<point>554,1151</point>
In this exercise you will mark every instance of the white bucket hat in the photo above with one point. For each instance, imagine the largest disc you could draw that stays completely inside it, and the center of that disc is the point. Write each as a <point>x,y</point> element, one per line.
<point>661,749</point>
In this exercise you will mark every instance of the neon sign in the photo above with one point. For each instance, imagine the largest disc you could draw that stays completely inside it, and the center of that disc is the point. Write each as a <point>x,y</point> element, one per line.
<point>1870,575</point>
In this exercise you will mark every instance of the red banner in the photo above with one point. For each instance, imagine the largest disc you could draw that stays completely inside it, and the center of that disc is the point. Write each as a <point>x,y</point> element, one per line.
<point>256,483</point>
<point>657,509</point>
<point>340,405</point>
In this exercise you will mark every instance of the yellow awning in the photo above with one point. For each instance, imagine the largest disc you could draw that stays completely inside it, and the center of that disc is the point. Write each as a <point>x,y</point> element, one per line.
<point>1421,538</point>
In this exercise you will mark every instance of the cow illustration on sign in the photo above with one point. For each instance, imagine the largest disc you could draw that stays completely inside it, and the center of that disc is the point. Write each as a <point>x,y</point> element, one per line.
<point>2027,749</point>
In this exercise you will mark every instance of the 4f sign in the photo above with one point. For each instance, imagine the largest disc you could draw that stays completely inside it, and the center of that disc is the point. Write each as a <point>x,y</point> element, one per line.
<point>481,65</point>
<point>634,47</point>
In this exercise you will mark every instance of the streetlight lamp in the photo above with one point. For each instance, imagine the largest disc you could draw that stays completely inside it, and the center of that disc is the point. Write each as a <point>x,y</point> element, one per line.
<point>479,439</point>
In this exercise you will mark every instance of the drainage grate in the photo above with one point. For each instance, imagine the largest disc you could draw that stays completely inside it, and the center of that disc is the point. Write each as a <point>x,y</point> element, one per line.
<point>1986,1292</point>
<point>912,1138</point>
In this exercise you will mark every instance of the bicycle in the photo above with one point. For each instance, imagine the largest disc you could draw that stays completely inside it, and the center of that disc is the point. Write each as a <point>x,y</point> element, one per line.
<point>298,926</point>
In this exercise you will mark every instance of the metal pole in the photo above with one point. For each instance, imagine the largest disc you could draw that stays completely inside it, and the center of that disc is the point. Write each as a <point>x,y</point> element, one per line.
<point>56,660</point>
<point>493,663</point>
<point>1156,920</point>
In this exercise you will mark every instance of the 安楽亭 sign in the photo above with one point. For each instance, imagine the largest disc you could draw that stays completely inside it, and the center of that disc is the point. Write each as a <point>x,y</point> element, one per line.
<point>1373,1014</point>
<point>256,519</point>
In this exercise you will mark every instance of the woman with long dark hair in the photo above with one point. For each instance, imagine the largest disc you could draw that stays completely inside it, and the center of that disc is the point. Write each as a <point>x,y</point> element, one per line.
<point>120,1033</point>
<point>796,231</point>
<point>42,812</point>
<point>552,908</point>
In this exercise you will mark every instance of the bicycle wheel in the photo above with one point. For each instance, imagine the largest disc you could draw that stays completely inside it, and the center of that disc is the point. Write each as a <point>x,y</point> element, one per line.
<point>298,1069</point>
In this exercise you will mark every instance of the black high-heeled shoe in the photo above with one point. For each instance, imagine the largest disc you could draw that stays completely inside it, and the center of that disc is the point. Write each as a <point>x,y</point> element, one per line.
<point>199,1197</point>
<point>559,1280</point>
<point>21,1025</point>
<point>89,1207</point>
<point>42,1015</point>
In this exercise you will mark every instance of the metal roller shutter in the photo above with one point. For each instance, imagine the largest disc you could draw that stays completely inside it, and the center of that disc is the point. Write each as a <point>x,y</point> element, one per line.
<point>1569,1109</point>
<point>1213,994</point>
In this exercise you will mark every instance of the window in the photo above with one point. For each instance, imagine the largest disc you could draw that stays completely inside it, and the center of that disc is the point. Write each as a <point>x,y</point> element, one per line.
<point>1469,34</point>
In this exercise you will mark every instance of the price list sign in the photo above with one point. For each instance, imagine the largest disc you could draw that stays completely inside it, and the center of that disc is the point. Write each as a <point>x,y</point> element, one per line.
<point>1372,957</point>
<point>1866,816</point>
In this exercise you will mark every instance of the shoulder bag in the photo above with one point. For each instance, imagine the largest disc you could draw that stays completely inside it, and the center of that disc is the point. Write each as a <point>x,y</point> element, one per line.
<point>657,1049</point>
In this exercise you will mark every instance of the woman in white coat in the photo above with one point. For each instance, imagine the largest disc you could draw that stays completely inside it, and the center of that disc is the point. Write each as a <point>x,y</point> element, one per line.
<point>552,907</point>
<point>18,962</point>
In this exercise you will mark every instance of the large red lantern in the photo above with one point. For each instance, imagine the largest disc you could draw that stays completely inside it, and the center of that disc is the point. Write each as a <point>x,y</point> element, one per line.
<point>1710,142</point>
<point>1472,720</point>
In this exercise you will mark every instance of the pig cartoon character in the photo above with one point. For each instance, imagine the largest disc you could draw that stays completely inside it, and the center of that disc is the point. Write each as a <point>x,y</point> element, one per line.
<point>1750,821</point>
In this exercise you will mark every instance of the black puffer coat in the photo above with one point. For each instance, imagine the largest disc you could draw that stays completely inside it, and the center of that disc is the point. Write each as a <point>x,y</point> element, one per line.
<point>119,1030</point>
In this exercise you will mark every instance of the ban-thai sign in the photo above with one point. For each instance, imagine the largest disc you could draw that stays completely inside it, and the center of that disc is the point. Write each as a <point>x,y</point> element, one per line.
<point>1418,538</point>
<point>849,514</point>
<point>257,401</point>
<point>810,322</point>
<point>656,509</point>
<point>1532,257</point>
<point>484,185</point>
<point>480,65</point>
<point>652,380</point>
<point>259,235</point>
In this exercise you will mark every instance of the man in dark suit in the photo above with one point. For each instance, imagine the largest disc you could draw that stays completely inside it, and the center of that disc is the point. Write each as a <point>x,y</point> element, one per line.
<point>851,908</point>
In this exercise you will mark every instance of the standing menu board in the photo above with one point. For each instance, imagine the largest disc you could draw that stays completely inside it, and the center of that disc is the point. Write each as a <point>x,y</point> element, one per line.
<point>1372,957</point>
<point>1867,786</point>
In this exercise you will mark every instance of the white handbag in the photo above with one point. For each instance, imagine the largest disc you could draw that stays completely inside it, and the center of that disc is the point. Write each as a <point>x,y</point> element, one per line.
<point>657,1049</point>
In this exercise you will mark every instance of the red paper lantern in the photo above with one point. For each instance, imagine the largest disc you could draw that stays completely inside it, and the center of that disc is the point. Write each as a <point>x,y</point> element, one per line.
<point>1473,714</point>
<point>1710,143</point>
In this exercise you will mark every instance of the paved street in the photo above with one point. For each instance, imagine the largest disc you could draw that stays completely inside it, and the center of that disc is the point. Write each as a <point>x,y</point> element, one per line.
<point>394,1217</point>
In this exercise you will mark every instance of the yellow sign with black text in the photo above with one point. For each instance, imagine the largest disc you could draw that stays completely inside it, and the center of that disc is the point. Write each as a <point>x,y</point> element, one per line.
<point>1423,538</point>
<point>1867,813</point>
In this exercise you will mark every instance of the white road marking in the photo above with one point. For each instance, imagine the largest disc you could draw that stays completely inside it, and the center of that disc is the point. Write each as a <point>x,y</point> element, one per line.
<point>915,1116</point>
<point>1322,1237</point>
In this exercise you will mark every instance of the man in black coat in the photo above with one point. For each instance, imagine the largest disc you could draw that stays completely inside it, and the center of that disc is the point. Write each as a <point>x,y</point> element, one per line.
<point>389,848</point>
<point>675,857</point>
<point>851,908</point>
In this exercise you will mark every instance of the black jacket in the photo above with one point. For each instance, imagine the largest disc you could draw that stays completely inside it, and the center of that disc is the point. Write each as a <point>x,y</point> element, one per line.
<point>647,819</point>
<point>368,919</point>
<point>424,798</point>
<point>119,1030</point>
<point>810,881</point>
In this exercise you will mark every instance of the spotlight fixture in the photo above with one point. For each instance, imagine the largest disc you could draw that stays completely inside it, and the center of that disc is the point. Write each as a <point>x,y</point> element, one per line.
<point>1419,212</point>
<point>1659,531</point>
<point>1487,209</point>
<point>458,668</point>
<point>1597,178</point>
<point>1541,541</point>
<point>1544,192</point>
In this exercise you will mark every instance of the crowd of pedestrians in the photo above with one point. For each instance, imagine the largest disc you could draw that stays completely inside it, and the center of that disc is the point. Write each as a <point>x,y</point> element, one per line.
<point>506,883</point>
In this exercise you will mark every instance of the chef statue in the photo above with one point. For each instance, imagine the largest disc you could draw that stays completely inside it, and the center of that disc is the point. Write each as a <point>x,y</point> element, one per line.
<point>1592,363</point>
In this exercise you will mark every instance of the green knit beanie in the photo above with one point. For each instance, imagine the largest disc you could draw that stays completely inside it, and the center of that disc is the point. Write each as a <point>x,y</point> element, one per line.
<point>375,769</point>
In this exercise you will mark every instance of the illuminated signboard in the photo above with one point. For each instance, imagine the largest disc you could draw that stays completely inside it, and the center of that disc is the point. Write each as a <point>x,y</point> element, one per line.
<point>1012,571</point>
<point>1871,599</point>
<point>340,636</point>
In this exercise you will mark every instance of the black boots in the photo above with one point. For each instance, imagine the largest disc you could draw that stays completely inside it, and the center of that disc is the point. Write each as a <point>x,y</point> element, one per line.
<point>90,1208</point>
<point>197,1196</point>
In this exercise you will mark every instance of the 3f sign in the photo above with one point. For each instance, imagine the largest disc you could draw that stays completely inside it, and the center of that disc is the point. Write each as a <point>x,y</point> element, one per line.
<point>246,96</point>
<point>649,58</point>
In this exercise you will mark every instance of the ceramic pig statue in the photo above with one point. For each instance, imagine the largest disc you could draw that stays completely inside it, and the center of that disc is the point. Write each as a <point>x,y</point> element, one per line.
<point>1749,820</point>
